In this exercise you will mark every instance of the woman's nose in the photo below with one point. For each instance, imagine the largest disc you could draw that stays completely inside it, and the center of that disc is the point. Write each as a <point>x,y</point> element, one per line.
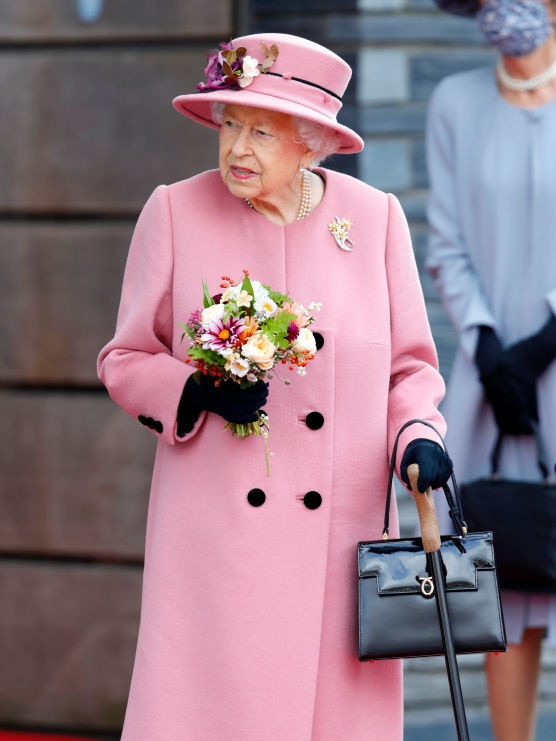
<point>242,143</point>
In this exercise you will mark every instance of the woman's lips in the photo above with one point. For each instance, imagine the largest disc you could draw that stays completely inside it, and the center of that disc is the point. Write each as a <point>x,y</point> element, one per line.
<point>241,173</point>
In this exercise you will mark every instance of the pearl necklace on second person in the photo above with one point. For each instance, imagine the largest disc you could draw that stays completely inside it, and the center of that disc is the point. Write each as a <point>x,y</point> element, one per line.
<point>518,85</point>
<point>306,201</point>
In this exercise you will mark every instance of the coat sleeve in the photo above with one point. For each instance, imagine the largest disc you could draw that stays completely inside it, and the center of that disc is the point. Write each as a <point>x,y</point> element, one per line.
<point>137,366</point>
<point>448,261</point>
<point>416,386</point>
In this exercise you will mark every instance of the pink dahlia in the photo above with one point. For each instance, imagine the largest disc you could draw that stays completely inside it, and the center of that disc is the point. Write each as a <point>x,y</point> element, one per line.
<point>222,334</point>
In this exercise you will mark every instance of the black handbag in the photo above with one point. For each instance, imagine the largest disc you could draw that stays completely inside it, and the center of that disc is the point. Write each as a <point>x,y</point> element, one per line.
<point>398,615</point>
<point>522,516</point>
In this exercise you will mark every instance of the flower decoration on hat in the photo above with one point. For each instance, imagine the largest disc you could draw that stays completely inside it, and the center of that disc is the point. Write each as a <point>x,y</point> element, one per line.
<point>339,229</point>
<point>229,67</point>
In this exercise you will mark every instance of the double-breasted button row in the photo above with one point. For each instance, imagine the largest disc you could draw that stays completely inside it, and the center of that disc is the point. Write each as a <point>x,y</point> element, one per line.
<point>257,497</point>
<point>152,424</point>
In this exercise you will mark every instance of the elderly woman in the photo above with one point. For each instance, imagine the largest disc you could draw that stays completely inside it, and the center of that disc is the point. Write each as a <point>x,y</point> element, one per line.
<point>248,623</point>
<point>491,153</point>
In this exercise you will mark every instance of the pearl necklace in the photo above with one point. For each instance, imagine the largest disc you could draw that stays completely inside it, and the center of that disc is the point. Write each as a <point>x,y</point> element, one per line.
<point>306,202</point>
<point>531,83</point>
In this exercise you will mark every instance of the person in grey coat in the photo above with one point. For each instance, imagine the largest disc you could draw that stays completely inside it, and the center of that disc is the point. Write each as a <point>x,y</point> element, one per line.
<point>491,150</point>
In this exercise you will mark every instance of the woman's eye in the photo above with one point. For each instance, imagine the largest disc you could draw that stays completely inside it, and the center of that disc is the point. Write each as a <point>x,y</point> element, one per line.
<point>264,134</point>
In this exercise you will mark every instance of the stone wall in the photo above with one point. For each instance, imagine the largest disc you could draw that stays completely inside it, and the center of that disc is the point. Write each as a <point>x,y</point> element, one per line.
<point>88,131</point>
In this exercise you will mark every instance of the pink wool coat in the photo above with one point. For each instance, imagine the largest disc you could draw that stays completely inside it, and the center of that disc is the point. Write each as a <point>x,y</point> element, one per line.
<point>249,611</point>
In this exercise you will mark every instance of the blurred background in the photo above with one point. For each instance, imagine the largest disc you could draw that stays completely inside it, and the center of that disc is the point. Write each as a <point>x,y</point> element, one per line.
<point>87,132</point>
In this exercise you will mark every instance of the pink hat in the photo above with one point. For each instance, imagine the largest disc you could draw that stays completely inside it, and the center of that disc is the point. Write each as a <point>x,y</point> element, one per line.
<point>277,72</point>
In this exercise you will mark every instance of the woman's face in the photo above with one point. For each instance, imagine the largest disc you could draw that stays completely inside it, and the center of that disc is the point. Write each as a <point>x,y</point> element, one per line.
<point>259,158</point>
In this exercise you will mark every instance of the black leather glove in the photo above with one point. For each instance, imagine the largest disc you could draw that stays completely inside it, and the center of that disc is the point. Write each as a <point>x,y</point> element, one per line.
<point>529,358</point>
<point>513,399</point>
<point>229,400</point>
<point>489,351</point>
<point>435,465</point>
<point>509,376</point>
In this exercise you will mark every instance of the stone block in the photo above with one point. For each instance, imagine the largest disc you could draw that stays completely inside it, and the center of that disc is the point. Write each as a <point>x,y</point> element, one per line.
<point>62,283</point>
<point>419,164</point>
<point>393,29</point>
<point>31,21</point>
<point>67,642</point>
<point>76,474</point>
<point>378,120</point>
<point>414,204</point>
<point>381,5</point>
<point>309,7</point>
<point>92,130</point>
<point>385,164</point>
<point>382,76</point>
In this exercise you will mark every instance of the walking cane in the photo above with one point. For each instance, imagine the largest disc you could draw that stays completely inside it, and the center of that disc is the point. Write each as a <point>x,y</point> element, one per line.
<point>431,544</point>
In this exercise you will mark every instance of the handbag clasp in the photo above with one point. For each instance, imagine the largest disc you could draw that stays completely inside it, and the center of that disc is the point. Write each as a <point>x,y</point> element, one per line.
<point>427,585</point>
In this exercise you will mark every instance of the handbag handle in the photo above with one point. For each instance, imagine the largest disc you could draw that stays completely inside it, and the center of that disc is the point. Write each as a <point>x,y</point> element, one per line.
<point>541,454</point>
<point>452,497</point>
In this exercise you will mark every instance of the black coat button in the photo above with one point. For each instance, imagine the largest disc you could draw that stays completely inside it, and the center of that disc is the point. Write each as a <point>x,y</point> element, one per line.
<point>319,339</point>
<point>312,500</point>
<point>256,497</point>
<point>152,424</point>
<point>314,420</point>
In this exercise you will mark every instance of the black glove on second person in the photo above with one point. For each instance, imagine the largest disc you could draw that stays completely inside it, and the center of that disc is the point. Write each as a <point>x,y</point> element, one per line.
<point>513,401</point>
<point>228,399</point>
<point>509,376</point>
<point>529,358</point>
<point>435,465</point>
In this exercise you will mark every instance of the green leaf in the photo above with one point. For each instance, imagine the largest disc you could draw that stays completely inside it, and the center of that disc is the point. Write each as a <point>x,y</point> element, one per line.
<point>207,298</point>
<point>248,287</point>
<point>277,297</point>
<point>196,352</point>
<point>276,329</point>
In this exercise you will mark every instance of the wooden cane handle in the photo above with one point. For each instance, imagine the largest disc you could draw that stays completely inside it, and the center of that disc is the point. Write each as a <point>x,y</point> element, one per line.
<point>426,510</point>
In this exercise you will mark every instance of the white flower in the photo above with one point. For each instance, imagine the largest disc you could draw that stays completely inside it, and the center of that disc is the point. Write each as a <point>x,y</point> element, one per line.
<point>212,314</point>
<point>315,305</point>
<point>304,342</point>
<point>250,70</point>
<point>237,366</point>
<point>230,294</point>
<point>259,350</point>
<point>244,299</point>
<point>265,307</point>
<point>259,290</point>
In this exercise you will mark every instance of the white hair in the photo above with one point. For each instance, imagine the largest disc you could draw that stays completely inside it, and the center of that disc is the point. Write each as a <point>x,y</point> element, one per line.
<point>320,139</point>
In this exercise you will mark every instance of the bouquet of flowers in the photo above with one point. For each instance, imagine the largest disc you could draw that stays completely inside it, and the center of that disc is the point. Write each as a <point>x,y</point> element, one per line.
<point>242,333</point>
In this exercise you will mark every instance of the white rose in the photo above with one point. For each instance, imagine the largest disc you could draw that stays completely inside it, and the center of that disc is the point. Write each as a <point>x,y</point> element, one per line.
<point>260,350</point>
<point>304,342</point>
<point>212,313</point>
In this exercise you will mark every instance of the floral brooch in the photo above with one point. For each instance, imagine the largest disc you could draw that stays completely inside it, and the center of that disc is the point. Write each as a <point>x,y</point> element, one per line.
<point>339,229</point>
<point>227,67</point>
